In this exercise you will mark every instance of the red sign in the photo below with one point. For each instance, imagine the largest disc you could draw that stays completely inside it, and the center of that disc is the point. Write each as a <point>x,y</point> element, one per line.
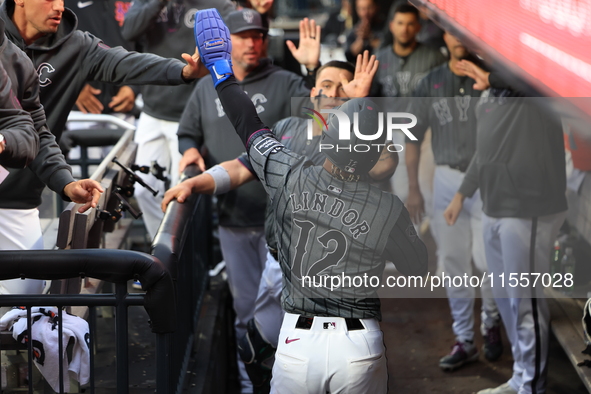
<point>548,39</point>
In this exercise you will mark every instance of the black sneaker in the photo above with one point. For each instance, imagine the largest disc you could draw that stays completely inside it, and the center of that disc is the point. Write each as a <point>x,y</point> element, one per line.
<point>493,345</point>
<point>461,353</point>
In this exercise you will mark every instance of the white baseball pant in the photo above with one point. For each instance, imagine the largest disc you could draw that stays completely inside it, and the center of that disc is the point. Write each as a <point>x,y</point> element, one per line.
<point>20,229</point>
<point>515,246</point>
<point>457,246</point>
<point>157,141</point>
<point>329,358</point>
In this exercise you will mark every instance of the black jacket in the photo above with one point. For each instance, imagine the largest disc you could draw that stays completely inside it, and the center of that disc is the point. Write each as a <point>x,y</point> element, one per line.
<point>65,61</point>
<point>16,126</point>
<point>165,28</point>
<point>519,164</point>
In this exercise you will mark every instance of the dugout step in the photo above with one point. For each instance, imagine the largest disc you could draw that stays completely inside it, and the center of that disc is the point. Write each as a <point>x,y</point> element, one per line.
<point>566,326</point>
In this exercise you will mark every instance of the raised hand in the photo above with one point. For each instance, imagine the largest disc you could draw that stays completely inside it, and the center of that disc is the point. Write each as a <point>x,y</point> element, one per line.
<point>476,73</point>
<point>308,53</point>
<point>365,69</point>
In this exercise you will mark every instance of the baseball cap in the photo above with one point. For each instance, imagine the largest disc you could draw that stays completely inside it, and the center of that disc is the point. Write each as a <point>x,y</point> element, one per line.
<point>244,19</point>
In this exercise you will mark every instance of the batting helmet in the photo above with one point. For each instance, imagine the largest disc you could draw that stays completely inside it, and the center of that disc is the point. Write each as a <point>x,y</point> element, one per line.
<point>354,155</point>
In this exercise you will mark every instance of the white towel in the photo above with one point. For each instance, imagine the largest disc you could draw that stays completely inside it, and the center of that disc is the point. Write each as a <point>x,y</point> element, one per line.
<point>46,346</point>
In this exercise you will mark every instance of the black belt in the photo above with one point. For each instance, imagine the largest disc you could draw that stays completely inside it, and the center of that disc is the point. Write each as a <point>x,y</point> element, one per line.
<point>305,323</point>
<point>462,167</point>
<point>273,253</point>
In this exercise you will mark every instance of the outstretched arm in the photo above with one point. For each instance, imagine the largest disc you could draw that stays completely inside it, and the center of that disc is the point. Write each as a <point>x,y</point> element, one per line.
<point>207,183</point>
<point>269,158</point>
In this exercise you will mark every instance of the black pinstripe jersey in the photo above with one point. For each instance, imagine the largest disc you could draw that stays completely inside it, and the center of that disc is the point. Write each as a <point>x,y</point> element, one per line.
<point>325,226</point>
<point>445,102</point>
<point>398,76</point>
<point>292,132</point>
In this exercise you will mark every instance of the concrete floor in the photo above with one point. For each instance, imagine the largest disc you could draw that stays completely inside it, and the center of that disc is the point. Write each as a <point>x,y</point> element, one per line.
<point>417,333</point>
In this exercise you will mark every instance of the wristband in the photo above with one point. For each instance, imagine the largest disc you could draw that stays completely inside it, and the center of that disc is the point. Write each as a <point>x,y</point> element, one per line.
<point>221,179</point>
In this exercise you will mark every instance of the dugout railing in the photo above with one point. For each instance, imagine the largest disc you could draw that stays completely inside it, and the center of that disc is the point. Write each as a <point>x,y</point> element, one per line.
<point>175,280</point>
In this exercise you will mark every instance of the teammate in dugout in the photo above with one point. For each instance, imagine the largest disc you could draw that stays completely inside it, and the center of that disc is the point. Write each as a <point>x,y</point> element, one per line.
<point>444,101</point>
<point>205,126</point>
<point>336,82</point>
<point>65,59</point>
<point>519,167</point>
<point>325,344</point>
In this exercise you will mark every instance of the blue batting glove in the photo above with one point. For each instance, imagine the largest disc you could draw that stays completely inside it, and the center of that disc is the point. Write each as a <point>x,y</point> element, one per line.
<point>213,42</point>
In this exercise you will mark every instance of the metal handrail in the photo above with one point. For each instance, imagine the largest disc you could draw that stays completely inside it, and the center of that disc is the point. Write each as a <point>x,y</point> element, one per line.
<point>112,265</point>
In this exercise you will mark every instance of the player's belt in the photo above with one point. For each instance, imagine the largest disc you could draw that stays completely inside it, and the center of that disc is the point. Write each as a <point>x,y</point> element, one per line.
<point>305,323</point>
<point>462,167</point>
<point>273,253</point>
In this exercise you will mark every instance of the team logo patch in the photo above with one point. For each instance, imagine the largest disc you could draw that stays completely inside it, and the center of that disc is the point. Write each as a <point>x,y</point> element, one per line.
<point>216,42</point>
<point>248,16</point>
<point>330,325</point>
<point>334,189</point>
<point>267,145</point>
<point>411,232</point>
<point>44,70</point>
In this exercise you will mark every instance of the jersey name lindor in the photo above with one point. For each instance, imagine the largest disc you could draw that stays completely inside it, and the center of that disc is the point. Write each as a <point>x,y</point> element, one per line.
<point>349,217</point>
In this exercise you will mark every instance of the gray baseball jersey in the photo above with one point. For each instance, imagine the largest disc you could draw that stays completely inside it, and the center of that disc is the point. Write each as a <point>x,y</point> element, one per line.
<point>329,227</point>
<point>398,76</point>
<point>444,101</point>
<point>324,226</point>
<point>292,133</point>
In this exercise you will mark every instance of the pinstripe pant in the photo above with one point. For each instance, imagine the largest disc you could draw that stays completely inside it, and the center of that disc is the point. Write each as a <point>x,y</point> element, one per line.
<point>515,246</point>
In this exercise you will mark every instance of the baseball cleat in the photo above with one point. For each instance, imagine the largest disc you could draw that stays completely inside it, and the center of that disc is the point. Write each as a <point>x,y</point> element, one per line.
<point>213,42</point>
<point>462,353</point>
<point>493,345</point>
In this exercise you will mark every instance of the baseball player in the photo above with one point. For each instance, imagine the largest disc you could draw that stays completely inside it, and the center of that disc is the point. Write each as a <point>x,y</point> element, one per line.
<point>328,220</point>
<point>444,100</point>
<point>257,346</point>
<point>205,126</point>
<point>519,168</point>
<point>402,65</point>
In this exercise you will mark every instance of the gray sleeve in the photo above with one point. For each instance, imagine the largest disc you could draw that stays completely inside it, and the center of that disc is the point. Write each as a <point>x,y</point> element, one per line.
<point>140,17</point>
<point>418,105</point>
<point>20,138</point>
<point>470,183</point>
<point>17,128</point>
<point>405,249</point>
<point>270,160</point>
<point>121,67</point>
